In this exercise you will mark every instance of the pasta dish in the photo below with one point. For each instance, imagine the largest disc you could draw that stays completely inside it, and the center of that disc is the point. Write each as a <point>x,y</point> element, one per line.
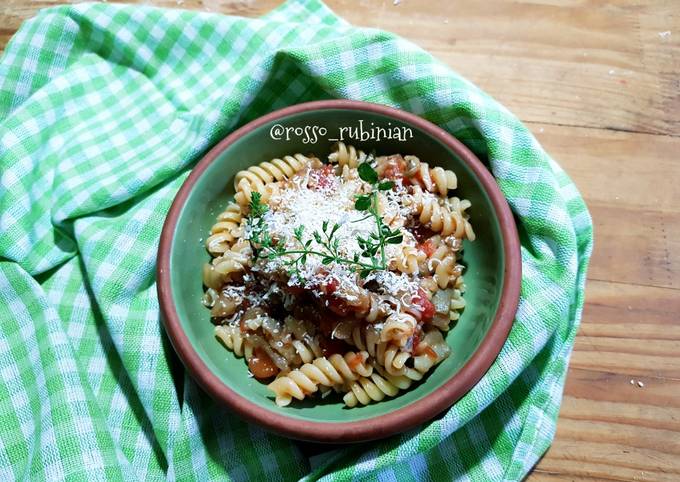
<point>340,275</point>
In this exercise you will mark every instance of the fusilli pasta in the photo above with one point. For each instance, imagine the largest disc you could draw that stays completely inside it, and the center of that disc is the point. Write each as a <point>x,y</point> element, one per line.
<point>345,155</point>
<point>335,370</point>
<point>226,230</point>
<point>374,388</point>
<point>339,276</point>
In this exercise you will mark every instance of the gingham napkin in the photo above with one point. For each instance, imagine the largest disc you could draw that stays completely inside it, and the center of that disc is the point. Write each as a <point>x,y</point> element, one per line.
<point>104,109</point>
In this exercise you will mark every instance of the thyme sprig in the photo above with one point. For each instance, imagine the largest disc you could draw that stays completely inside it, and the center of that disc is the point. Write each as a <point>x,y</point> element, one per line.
<point>376,242</point>
<point>372,256</point>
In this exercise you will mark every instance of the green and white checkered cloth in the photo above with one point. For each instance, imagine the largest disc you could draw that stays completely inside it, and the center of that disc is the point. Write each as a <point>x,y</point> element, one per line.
<point>104,109</point>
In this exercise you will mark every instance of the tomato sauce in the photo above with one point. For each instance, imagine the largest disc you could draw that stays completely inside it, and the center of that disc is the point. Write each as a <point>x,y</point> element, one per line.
<point>394,168</point>
<point>338,306</point>
<point>424,305</point>
<point>427,247</point>
<point>261,366</point>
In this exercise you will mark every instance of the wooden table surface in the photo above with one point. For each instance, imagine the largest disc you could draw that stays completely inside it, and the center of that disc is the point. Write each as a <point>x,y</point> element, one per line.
<point>599,84</point>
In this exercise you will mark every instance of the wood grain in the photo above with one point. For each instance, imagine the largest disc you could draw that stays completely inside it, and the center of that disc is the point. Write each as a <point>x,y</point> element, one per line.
<point>598,83</point>
<point>542,59</point>
<point>625,180</point>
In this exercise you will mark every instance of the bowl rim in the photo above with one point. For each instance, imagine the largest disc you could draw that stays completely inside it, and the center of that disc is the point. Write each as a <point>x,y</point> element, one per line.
<point>379,426</point>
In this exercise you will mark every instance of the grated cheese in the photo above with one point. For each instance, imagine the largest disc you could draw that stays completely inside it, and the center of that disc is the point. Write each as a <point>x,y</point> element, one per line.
<point>391,283</point>
<point>306,201</point>
<point>299,205</point>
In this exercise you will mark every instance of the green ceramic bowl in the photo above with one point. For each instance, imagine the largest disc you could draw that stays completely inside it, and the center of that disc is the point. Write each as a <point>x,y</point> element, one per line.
<point>492,276</point>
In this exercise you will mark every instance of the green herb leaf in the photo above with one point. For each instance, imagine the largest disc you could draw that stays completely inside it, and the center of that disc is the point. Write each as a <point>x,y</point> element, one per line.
<point>362,203</point>
<point>327,260</point>
<point>385,185</point>
<point>257,209</point>
<point>395,239</point>
<point>367,173</point>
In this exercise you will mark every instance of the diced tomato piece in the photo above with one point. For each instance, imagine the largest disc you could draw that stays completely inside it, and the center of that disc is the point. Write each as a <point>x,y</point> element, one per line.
<point>338,306</point>
<point>334,303</point>
<point>330,287</point>
<point>295,290</point>
<point>427,247</point>
<point>323,176</point>
<point>391,172</point>
<point>394,168</point>
<point>424,305</point>
<point>261,366</point>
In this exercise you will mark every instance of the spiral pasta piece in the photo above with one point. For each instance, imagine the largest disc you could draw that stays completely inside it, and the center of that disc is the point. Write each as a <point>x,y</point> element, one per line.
<point>329,372</point>
<point>442,264</point>
<point>232,262</point>
<point>232,338</point>
<point>226,230</point>
<point>431,350</point>
<point>346,155</point>
<point>270,171</point>
<point>225,303</point>
<point>366,337</point>
<point>445,271</point>
<point>245,190</point>
<point>435,214</point>
<point>436,180</point>
<point>459,206</point>
<point>398,327</point>
<point>392,358</point>
<point>376,387</point>
<point>365,304</point>
<point>410,260</point>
